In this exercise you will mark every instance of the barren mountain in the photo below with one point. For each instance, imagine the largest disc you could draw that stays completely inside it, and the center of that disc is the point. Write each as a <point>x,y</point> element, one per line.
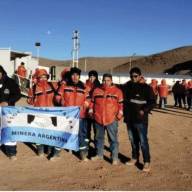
<point>172,61</point>
<point>101,64</point>
<point>177,60</point>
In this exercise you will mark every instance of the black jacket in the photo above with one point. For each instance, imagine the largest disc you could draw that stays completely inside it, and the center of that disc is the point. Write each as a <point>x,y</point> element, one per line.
<point>137,96</point>
<point>178,89</point>
<point>9,91</point>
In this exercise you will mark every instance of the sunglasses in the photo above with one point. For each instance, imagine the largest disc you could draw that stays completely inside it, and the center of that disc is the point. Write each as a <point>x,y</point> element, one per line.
<point>134,76</point>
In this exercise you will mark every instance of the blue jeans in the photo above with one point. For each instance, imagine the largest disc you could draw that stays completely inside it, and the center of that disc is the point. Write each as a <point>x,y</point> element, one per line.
<point>112,130</point>
<point>41,149</point>
<point>162,102</point>
<point>90,125</point>
<point>83,141</point>
<point>189,102</point>
<point>138,137</point>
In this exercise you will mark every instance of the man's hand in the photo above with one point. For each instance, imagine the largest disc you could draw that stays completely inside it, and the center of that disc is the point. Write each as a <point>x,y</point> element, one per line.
<point>141,112</point>
<point>90,112</point>
<point>3,104</point>
<point>119,115</point>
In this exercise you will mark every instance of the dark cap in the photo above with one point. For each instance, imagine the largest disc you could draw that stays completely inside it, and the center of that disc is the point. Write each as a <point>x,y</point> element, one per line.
<point>93,73</point>
<point>75,70</point>
<point>136,70</point>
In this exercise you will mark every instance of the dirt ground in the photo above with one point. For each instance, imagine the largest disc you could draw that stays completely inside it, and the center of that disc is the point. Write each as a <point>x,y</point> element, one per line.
<point>170,138</point>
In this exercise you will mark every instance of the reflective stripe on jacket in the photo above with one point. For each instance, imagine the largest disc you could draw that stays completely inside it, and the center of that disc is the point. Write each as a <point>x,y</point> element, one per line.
<point>42,96</point>
<point>107,103</point>
<point>74,95</point>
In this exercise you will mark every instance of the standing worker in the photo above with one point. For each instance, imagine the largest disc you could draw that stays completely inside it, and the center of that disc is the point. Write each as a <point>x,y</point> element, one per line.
<point>22,73</point>
<point>92,83</point>
<point>154,86</point>
<point>42,95</point>
<point>184,93</point>
<point>75,93</point>
<point>189,95</point>
<point>139,100</point>
<point>107,109</point>
<point>9,95</point>
<point>163,90</point>
<point>178,91</point>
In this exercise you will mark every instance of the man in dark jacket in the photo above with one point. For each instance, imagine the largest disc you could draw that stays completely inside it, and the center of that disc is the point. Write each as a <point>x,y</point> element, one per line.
<point>9,95</point>
<point>178,90</point>
<point>139,100</point>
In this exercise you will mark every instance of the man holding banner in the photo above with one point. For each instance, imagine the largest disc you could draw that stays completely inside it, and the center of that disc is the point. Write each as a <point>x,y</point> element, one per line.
<point>41,95</point>
<point>74,93</point>
<point>44,125</point>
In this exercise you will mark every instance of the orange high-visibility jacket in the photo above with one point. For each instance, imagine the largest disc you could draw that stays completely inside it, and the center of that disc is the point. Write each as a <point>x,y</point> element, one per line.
<point>163,89</point>
<point>189,84</point>
<point>21,71</point>
<point>41,95</point>
<point>107,104</point>
<point>185,85</point>
<point>74,95</point>
<point>154,86</point>
<point>89,85</point>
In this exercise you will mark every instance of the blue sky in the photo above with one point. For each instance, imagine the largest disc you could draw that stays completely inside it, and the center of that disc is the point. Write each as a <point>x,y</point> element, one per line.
<point>107,27</point>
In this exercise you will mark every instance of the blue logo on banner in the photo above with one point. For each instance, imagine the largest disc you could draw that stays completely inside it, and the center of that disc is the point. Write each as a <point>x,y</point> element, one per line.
<point>54,126</point>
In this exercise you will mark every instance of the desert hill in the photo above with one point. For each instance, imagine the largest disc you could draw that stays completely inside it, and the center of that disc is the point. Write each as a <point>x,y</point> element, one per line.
<point>173,61</point>
<point>101,64</point>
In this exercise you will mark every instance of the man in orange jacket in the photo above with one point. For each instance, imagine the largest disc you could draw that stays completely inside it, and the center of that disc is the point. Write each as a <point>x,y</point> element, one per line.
<point>21,71</point>
<point>154,86</point>
<point>22,74</point>
<point>189,95</point>
<point>41,95</point>
<point>163,90</point>
<point>75,93</point>
<point>107,109</point>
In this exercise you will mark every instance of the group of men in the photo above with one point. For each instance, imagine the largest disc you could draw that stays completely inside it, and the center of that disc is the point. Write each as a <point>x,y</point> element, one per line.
<point>101,107</point>
<point>182,93</point>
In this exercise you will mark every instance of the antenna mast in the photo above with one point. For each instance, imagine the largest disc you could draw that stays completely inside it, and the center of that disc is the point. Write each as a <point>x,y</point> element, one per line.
<point>75,50</point>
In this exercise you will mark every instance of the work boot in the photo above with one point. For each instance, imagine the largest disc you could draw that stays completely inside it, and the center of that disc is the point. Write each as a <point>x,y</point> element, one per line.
<point>70,151</point>
<point>115,162</point>
<point>131,162</point>
<point>56,155</point>
<point>49,150</point>
<point>146,167</point>
<point>96,158</point>
<point>40,150</point>
<point>13,158</point>
<point>83,156</point>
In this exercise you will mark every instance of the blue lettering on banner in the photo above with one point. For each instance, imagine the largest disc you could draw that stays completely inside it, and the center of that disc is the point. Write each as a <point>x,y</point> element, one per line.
<point>53,133</point>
